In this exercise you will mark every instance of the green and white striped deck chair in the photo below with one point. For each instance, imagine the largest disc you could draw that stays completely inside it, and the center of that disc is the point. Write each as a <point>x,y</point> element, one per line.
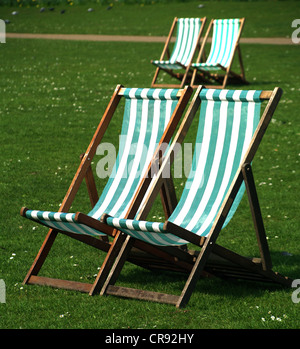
<point>224,45</point>
<point>189,31</point>
<point>229,132</point>
<point>150,118</point>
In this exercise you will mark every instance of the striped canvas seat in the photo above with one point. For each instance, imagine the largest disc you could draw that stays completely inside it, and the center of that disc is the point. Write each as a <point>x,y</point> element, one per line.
<point>187,39</point>
<point>178,63</point>
<point>227,122</point>
<point>146,115</point>
<point>225,37</point>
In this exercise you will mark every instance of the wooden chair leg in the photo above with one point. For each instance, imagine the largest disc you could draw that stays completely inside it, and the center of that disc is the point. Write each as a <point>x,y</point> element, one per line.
<point>195,273</point>
<point>108,263</point>
<point>241,63</point>
<point>155,77</point>
<point>257,217</point>
<point>127,243</point>
<point>225,79</point>
<point>41,256</point>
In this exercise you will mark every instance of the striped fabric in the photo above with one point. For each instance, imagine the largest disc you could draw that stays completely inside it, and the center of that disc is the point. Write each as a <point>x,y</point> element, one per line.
<point>227,122</point>
<point>132,224</point>
<point>146,115</point>
<point>225,36</point>
<point>187,34</point>
<point>61,221</point>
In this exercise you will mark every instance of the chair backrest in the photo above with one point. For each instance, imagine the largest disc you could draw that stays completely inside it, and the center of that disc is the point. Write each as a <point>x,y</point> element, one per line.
<point>224,39</point>
<point>227,122</point>
<point>186,41</point>
<point>146,115</point>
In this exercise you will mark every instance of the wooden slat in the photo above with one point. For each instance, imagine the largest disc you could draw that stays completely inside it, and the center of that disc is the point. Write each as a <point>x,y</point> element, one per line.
<point>251,266</point>
<point>58,283</point>
<point>142,294</point>
<point>183,233</point>
<point>265,94</point>
<point>93,223</point>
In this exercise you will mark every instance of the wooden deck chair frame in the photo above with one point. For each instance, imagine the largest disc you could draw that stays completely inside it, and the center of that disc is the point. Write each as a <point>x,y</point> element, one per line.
<point>85,172</point>
<point>185,77</point>
<point>246,268</point>
<point>217,80</point>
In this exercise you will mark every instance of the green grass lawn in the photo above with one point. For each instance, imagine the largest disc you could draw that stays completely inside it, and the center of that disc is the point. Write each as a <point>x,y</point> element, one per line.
<point>53,96</point>
<point>263,19</point>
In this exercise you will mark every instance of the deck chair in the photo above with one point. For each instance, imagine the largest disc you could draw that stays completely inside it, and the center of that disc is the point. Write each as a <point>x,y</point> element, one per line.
<point>177,65</point>
<point>217,68</point>
<point>230,130</point>
<point>150,118</point>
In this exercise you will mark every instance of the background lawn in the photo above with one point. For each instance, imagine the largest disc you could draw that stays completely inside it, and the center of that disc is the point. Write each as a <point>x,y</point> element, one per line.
<point>264,18</point>
<point>53,96</point>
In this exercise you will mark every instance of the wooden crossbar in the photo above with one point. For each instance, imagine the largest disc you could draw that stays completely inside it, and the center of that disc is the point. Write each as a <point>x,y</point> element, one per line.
<point>142,294</point>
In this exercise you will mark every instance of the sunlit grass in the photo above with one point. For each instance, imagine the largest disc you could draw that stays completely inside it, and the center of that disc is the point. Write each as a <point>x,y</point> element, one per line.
<point>53,96</point>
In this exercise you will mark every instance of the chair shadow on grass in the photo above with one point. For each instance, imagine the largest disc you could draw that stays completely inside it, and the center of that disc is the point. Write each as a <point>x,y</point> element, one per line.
<point>252,82</point>
<point>166,281</point>
<point>289,263</point>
